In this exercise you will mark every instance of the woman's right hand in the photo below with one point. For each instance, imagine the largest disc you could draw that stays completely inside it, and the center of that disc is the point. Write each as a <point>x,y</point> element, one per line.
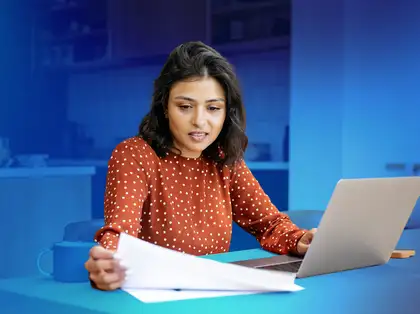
<point>104,269</point>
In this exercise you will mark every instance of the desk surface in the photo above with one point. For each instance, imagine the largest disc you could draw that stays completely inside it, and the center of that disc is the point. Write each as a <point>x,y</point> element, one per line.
<point>391,288</point>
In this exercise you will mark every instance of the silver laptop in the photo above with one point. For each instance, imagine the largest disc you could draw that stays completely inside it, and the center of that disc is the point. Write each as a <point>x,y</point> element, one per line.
<point>361,227</point>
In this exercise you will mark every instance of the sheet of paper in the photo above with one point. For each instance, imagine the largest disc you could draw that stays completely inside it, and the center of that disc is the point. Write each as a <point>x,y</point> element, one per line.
<point>155,296</point>
<point>154,267</point>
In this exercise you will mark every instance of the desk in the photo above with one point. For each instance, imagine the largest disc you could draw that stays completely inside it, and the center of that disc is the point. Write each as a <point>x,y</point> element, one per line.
<point>391,288</point>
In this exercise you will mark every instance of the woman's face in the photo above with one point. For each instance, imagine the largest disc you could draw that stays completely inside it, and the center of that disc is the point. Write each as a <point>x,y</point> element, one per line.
<point>196,113</point>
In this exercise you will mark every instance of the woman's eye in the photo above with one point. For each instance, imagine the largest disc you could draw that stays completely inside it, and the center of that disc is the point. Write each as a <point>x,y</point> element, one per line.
<point>214,108</point>
<point>184,107</point>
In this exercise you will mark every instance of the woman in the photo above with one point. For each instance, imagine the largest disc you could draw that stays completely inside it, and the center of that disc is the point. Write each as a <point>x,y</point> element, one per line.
<point>182,181</point>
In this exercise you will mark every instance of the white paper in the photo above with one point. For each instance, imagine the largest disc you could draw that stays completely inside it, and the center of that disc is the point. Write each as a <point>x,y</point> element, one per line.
<point>155,269</point>
<point>155,296</point>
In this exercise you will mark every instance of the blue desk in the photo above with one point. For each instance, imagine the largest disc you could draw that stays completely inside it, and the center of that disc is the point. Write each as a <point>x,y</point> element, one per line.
<point>392,288</point>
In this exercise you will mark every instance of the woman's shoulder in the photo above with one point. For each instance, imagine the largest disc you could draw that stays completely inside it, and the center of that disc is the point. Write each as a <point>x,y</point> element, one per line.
<point>238,166</point>
<point>134,147</point>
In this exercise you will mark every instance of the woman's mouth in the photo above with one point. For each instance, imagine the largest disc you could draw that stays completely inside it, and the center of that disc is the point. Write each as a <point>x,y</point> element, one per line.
<point>198,136</point>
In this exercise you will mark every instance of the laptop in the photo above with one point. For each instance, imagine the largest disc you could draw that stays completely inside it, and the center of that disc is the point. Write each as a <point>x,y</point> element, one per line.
<point>360,227</point>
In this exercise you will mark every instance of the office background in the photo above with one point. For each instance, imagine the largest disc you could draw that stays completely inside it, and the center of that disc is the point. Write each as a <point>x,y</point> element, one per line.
<point>330,88</point>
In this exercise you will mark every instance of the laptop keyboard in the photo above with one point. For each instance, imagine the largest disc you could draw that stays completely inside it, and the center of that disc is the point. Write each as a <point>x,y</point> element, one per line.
<point>291,267</point>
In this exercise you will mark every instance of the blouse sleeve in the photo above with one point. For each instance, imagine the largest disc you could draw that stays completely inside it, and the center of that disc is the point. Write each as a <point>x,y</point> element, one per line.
<point>125,192</point>
<point>253,210</point>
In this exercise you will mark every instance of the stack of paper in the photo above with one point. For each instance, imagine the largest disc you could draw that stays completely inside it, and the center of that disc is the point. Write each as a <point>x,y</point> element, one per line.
<point>158,274</point>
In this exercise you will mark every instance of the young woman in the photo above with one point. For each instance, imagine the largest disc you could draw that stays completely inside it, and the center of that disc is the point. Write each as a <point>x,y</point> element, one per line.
<point>182,181</point>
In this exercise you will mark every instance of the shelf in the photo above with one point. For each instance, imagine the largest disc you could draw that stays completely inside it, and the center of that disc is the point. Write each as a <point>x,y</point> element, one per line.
<point>72,37</point>
<point>253,165</point>
<point>242,7</point>
<point>28,172</point>
<point>106,64</point>
<point>49,7</point>
<point>65,7</point>
<point>267,165</point>
<point>242,25</point>
<point>254,46</point>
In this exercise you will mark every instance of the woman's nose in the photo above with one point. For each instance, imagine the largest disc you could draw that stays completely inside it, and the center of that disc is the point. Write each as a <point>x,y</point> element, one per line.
<point>199,119</point>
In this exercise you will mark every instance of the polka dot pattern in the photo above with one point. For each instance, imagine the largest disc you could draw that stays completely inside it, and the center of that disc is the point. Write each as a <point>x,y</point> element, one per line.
<point>187,204</point>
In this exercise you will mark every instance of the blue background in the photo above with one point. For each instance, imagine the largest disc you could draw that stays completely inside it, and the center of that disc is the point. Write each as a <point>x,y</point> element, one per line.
<point>343,75</point>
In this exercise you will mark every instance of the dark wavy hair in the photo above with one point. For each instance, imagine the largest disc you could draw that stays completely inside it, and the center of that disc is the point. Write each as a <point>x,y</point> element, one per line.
<point>187,61</point>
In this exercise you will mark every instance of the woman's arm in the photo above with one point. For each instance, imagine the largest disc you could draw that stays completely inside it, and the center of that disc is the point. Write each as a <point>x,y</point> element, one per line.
<point>125,192</point>
<point>253,210</point>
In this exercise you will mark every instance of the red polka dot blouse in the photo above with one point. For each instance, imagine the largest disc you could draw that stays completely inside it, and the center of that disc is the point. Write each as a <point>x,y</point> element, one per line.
<point>187,204</point>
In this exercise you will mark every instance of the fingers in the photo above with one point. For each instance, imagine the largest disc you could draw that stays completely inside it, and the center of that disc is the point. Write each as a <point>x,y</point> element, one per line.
<point>303,248</point>
<point>309,235</point>
<point>311,232</point>
<point>108,281</point>
<point>99,252</point>
<point>104,269</point>
<point>111,286</point>
<point>106,274</point>
<point>107,265</point>
<point>305,241</point>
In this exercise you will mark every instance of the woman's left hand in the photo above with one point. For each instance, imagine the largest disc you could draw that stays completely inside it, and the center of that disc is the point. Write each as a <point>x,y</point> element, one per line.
<point>305,241</point>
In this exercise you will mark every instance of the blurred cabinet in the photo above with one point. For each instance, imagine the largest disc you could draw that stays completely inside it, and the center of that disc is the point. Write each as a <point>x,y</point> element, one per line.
<point>148,28</point>
<point>240,26</point>
<point>86,34</point>
<point>67,33</point>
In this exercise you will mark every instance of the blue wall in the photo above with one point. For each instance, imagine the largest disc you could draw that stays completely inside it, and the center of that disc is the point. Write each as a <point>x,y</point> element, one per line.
<point>32,110</point>
<point>354,94</point>
<point>15,68</point>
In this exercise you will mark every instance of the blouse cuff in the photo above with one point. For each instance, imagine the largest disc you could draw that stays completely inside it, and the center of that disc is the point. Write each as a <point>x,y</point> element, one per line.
<point>108,239</point>
<point>293,241</point>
